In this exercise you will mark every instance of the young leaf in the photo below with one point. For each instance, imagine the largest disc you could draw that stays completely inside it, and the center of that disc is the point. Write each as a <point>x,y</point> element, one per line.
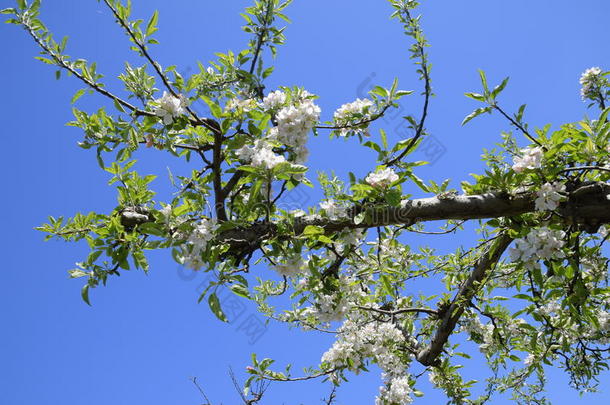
<point>215,307</point>
<point>484,81</point>
<point>499,88</point>
<point>476,113</point>
<point>77,95</point>
<point>152,24</point>
<point>85,294</point>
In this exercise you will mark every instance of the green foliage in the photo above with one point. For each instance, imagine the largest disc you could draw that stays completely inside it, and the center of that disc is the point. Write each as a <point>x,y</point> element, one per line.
<point>349,260</point>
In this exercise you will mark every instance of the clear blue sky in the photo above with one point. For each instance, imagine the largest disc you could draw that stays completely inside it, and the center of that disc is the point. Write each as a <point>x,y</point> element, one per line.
<point>145,335</point>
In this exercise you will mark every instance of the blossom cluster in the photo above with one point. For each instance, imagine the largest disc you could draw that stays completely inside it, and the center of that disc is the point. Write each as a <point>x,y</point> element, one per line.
<point>334,210</point>
<point>397,391</point>
<point>349,238</point>
<point>475,328</point>
<point>530,158</point>
<point>240,105</point>
<point>274,100</point>
<point>540,243</point>
<point>381,178</point>
<point>169,107</point>
<point>549,196</point>
<point>197,242</point>
<point>294,123</point>
<point>588,81</point>
<point>358,341</point>
<point>331,306</point>
<point>484,333</point>
<point>291,266</point>
<point>260,154</point>
<point>550,309</point>
<point>349,115</point>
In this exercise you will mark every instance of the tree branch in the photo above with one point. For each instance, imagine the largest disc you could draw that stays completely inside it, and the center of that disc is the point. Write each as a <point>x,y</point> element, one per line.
<point>590,212</point>
<point>490,256</point>
<point>59,61</point>
<point>210,124</point>
<point>420,52</point>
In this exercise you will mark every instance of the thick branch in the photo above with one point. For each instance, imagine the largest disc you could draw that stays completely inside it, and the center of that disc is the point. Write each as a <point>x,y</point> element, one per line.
<point>490,256</point>
<point>589,212</point>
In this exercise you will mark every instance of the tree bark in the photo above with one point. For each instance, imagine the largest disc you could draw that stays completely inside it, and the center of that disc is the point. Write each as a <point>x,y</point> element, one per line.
<point>588,206</point>
<point>487,261</point>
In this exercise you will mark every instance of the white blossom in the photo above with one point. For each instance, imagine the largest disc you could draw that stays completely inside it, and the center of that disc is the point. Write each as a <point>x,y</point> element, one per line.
<point>334,305</point>
<point>348,238</point>
<point>397,391</point>
<point>293,125</point>
<point>197,241</point>
<point>260,154</point>
<point>352,113</point>
<point>166,211</point>
<point>531,158</point>
<point>356,342</point>
<point>548,197</point>
<point>540,243</point>
<point>298,213</point>
<point>274,100</point>
<point>291,266</point>
<point>243,105</point>
<point>549,309</point>
<point>334,210</point>
<point>382,178</point>
<point>588,80</point>
<point>169,107</point>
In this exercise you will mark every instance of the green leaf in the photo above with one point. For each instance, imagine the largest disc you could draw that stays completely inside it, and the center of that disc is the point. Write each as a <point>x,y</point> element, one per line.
<point>118,106</point>
<point>241,290</point>
<point>313,230</point>
<point>84,293</point>
<point>384,139</point>
<point>215,307</point>
<point>602,119</point>
<point>214,108</point>
<point>476,113</point>
<point>519,115</point>
<point>150,228</point>
<point>499,88</point>
<point>475,96</point>
<point>152,24</point>
<point>76,273</point>
<point>8,11</point>
<point>77,95</point>
<point>419,182</point>
<point>484,81</point>
<point>387,285</point>
<point>393,197</point>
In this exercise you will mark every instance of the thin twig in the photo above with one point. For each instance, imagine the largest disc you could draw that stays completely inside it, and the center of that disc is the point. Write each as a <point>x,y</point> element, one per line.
<point>517,125</point>
<point>208,123</point>
<point>194,380</point>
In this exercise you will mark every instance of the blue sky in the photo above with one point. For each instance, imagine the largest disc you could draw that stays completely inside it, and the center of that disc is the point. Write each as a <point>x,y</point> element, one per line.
<point>146,335</point>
